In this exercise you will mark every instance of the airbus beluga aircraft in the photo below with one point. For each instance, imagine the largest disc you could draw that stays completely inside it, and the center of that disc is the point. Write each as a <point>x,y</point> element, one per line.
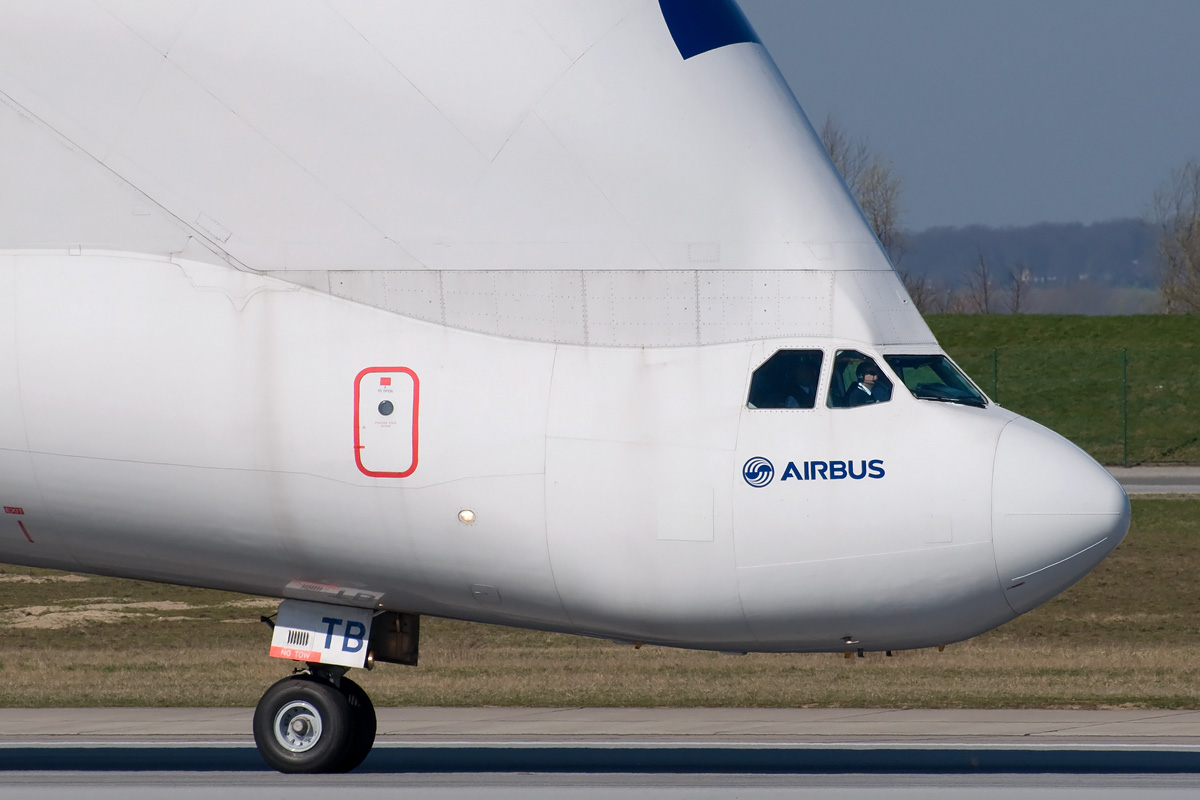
<point>541,313</point>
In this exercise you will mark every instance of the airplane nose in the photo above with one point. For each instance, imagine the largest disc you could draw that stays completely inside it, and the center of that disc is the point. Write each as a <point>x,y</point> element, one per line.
<point>1056,513</point>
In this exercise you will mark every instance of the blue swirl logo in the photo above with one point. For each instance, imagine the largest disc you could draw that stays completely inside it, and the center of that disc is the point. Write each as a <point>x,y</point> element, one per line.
<point>758,472</point>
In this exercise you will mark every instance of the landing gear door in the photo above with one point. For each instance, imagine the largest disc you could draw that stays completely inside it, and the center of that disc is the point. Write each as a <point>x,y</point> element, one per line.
<point>320,633</point>
<point>385,421</point>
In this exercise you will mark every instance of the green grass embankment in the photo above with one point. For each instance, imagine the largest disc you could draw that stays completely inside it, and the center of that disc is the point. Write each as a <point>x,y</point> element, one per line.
<point>1066,372</point>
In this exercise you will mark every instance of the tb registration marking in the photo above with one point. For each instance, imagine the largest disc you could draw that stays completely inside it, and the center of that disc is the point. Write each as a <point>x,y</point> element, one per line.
<point>321,633</point>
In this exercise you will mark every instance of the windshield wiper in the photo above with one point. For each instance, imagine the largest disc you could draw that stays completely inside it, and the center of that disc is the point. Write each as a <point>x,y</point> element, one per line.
<point>959,400</point>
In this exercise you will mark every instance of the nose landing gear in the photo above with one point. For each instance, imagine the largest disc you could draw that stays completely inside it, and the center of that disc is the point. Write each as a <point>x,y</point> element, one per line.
<point>317,721</point>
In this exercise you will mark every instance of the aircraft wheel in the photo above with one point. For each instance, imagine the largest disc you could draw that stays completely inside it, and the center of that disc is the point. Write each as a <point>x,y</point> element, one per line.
<point>303,724</point>
<point>363,725</point>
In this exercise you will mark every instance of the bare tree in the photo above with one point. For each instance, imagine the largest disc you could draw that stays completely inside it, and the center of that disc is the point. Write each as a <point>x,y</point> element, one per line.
<point>956,302</point>
<point>979,288</point>
<point>873,182</point>
<point>879,197</point>
<point>1176,213</point>
<point>1018,288</point>
<point>924,293</point>
<point>850,156</point>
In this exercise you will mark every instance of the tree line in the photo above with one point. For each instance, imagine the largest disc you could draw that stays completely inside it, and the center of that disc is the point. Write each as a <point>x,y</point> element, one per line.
<point>1161,251</point>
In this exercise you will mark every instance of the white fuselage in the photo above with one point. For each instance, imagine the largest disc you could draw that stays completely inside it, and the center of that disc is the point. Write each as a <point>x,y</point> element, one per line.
<point>190,423</point>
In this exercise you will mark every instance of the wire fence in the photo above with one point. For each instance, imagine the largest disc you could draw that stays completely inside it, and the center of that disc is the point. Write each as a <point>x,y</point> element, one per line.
<point>1123,406</point>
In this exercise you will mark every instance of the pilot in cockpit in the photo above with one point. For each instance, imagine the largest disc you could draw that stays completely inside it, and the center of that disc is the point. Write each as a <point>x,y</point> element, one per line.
<point>866,390</point>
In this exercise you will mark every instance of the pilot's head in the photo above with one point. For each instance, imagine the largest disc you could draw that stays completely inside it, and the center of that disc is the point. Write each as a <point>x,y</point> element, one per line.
<point>867,373</point>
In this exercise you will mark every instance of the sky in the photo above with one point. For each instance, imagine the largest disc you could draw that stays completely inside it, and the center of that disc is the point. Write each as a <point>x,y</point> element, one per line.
<point>1001,112</point>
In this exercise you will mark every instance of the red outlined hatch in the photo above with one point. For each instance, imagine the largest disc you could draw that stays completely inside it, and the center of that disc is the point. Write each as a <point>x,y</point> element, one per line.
<point>385,421</point>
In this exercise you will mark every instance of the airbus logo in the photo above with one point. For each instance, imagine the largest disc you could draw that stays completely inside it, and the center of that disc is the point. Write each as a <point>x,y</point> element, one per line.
<point>758,472</point>
<point>834,470</point>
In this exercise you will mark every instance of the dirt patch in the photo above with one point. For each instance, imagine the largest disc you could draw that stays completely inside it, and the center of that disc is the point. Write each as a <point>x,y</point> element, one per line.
<point>148,605</point>
<point>254,602</point>
<point>50,620</point>
<point>63,616</point>
<point>44,578</point>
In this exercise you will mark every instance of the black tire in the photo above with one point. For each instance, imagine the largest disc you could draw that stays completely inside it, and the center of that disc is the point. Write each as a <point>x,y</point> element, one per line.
<point>303,724</point>
<point>362,722</point>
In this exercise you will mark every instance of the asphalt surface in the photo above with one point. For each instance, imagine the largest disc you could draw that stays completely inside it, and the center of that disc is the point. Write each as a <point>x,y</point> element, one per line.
<point>501,753</point>
<point>625,753</point>
<point>1158,480</point>
<point>500,786</point>
<point>474,725</point>
<point>442,740</point>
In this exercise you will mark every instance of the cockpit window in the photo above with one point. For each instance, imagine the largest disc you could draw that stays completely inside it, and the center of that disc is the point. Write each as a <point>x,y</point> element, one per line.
<point>934,377</point>
<point>857,381</point>
<point>787,379</point>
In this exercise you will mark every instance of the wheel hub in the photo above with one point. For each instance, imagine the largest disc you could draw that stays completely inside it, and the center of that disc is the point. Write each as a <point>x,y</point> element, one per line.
<point>298,726</point>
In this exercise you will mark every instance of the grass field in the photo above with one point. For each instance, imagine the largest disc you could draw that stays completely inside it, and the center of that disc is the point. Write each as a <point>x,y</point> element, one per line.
<point>1127,635</point>
<point>1066,372</point>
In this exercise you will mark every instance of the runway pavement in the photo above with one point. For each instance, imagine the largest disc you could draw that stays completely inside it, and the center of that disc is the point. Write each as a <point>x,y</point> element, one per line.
<point>639,740</point>
<point>499,753</point>
<point>1158,480</point>
<point>626,724</point>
